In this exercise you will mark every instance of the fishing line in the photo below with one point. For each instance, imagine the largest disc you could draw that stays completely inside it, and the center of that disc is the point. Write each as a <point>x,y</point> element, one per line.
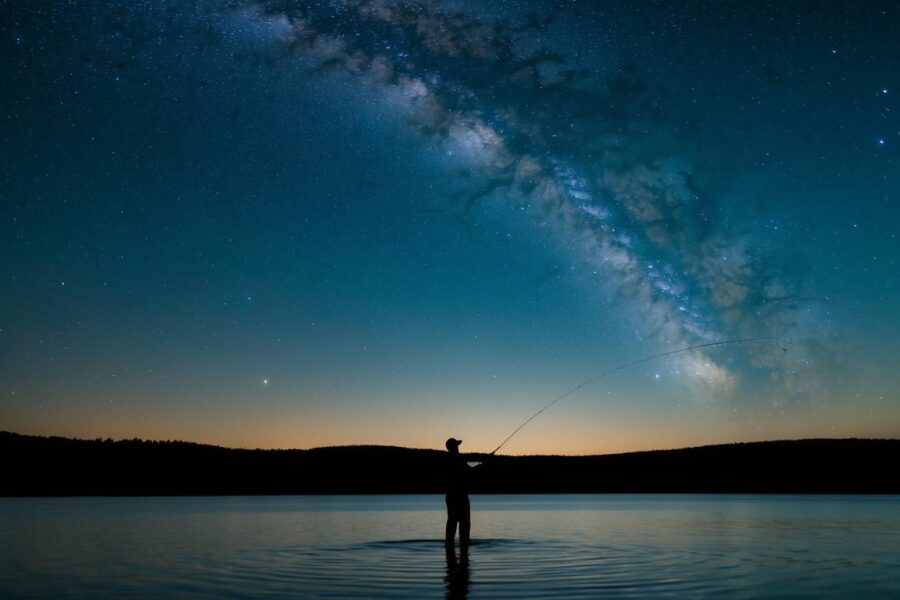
<point>637,362</point>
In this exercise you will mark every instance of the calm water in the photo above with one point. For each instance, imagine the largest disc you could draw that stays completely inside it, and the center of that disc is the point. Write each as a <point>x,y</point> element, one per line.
<point>390,546</point>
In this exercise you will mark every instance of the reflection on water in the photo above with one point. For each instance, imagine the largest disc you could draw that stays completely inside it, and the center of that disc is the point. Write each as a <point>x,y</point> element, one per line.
<point>392,547</point>
<point>457,572</point>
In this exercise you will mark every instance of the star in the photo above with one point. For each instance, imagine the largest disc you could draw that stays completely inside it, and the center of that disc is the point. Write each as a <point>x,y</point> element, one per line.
<point>265,381</point>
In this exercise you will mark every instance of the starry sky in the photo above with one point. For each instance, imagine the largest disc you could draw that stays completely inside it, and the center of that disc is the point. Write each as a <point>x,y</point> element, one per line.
<point>296,223</point>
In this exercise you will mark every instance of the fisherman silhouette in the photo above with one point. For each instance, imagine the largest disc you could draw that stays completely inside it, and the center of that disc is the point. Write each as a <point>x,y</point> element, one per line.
<point>457,473</point>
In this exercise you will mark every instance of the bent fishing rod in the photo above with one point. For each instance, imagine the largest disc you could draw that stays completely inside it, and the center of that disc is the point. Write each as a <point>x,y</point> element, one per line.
<point>637,362</point>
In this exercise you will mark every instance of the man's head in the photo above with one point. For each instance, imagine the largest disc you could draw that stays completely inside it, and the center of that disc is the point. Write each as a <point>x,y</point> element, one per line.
<point>453,445</point>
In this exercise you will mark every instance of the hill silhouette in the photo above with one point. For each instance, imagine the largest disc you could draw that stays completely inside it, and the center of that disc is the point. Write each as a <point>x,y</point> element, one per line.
<point>36,466</point>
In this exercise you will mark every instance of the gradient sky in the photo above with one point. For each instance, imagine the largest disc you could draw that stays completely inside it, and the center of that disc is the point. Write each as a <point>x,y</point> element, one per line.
<point>288,223</point>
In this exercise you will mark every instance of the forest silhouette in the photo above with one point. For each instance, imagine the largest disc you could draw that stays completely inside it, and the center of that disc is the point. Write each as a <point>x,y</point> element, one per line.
<point>38,466</point>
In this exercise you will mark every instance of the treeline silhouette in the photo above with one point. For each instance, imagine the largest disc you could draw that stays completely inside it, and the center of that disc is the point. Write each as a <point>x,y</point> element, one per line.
<point>38,466</point>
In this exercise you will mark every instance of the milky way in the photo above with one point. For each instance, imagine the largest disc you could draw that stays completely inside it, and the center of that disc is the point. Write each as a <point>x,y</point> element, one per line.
<point>582,149</point>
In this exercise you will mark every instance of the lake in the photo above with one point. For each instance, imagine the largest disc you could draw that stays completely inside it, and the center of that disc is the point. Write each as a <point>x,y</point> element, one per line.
<point>553,546</point>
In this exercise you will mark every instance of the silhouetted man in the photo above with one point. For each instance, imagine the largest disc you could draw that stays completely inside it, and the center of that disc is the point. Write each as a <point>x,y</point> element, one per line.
<point>457,475</point>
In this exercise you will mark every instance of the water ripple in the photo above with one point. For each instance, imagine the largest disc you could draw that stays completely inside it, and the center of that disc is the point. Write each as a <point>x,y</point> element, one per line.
<point>573,548</point>
<point>511,568</point>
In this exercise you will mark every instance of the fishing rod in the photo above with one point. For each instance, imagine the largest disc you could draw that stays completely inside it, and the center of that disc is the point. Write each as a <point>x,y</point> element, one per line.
<point>637,362</point>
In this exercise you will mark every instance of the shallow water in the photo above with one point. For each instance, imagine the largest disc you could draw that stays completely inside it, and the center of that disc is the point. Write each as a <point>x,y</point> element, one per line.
<point>572,546</point>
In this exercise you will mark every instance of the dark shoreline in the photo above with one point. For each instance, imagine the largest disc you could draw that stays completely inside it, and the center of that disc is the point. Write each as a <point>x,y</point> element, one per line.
<point>53,466</point>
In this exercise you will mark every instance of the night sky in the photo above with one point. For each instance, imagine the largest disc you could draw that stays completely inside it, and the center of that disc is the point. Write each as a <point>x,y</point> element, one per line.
<point>289,223</point>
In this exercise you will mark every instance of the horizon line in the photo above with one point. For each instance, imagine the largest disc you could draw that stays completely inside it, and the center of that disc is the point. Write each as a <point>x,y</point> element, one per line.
<point>337,446</point>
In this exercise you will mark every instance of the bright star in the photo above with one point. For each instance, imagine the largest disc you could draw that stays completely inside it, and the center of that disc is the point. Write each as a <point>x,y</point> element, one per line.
<point>265,382</point>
